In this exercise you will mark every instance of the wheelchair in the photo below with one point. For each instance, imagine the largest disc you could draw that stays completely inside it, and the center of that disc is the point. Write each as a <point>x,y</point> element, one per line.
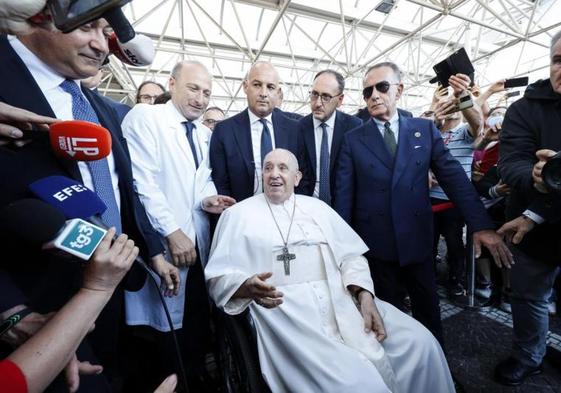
<point>237,357</point>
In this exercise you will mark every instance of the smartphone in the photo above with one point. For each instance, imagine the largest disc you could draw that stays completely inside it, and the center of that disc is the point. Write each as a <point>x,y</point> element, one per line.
<point>69,15</point>
<point>516,82</point>
<point>513,93</point>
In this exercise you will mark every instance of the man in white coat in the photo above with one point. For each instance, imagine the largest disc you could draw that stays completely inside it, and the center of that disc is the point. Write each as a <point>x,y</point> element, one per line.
<point>169,150</point>
<point>299,268</point>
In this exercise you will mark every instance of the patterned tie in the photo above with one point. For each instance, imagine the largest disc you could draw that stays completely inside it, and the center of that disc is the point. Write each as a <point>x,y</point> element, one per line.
<point>189,126</point>
<point>266,143</point>
<point>324,187</point>
<point>99,169</point>
<point>389,138</point>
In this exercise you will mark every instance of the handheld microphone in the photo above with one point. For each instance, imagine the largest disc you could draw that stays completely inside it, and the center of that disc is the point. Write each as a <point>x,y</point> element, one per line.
<point>129,47</point>
<point>80,140</point>
<point>76,236</point>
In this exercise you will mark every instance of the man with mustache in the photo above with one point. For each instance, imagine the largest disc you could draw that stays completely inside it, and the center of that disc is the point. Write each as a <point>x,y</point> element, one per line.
<point>240,142</point>
<point>41,73</point>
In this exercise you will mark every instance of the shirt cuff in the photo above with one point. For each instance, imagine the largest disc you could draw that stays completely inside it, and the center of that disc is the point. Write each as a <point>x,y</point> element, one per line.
<point>533,216</point>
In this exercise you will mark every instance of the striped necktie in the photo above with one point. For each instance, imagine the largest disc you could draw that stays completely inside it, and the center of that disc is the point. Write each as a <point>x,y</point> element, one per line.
<point>324,186</point>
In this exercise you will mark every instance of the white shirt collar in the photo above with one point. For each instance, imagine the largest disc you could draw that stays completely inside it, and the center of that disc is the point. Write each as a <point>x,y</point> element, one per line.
<point>177,116</point>
<point>394,122</point>
<point>253,118</point>
<point>45,76</point>
<point>330,122</point>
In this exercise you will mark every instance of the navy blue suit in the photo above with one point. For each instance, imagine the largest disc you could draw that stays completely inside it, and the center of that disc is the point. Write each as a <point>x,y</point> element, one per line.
<point>231,152</point>
<point>343,124</point>
<point>387,202</point>
<point>120,109</point>
<point>45,282</point>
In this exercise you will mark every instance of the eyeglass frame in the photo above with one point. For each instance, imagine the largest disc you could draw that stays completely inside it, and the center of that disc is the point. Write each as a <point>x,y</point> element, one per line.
<point>378,87</point>
<point>151,98</point>
<point>314,95</point>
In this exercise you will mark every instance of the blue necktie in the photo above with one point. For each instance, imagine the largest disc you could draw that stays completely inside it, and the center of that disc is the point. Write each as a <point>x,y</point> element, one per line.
<point>266,143</point>
<point>324,187</point>
<point>189,127</point>
<point>99,169</point>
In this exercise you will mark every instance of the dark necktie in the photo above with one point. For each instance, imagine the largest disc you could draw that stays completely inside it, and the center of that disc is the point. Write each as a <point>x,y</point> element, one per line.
<point>389,138</point>
<point>189,126</point>
<point>324,187</point>
<point>99,169</point>
<point>266,142</point>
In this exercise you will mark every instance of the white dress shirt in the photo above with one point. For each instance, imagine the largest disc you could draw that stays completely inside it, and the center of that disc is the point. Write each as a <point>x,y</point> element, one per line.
<point>318,134</point>
<point>394,125</point>
<point>61,103</point>
<point>256,131</point>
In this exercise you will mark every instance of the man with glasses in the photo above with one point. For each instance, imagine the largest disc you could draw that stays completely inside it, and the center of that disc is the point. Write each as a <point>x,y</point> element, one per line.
<point>323,131</point>
<point>148,91</point>
<point>212,117</point>
<point>381,190</point>
<point>239,143</point>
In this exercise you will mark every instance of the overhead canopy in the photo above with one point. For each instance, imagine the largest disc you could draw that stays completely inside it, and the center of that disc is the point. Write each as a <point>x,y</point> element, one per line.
<point>504,38</point>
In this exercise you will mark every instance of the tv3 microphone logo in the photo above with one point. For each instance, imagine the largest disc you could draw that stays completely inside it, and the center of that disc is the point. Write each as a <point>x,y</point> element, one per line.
<point>73,145</point>
<point>83,238</point>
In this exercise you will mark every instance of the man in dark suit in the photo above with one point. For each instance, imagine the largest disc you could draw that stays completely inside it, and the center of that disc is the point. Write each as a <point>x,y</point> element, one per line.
<point>381,189</point>
<point>239,143</point>
<point>323,131</point>
<point>527,142</point>
<point>39,74</point>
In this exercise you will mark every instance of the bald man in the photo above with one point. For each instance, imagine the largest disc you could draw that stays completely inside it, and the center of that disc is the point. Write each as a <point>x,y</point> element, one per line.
<point>239,143</point>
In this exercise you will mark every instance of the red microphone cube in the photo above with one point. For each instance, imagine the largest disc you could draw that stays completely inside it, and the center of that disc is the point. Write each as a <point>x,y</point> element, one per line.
<point>79,140</point>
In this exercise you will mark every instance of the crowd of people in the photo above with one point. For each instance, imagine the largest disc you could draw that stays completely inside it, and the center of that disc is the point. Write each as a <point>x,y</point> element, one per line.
<point>319,226</point>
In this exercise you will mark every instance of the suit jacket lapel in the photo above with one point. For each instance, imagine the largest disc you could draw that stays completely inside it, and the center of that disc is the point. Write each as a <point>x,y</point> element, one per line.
<point>338,133</point>
<point>242,135</point>
<point>281,134</point>
<point>373,140</point>
<point>310,141</point>
<point>404,150</point>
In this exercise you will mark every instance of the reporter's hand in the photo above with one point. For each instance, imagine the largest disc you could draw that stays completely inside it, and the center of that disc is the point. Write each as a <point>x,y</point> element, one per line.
<point>182,249</point>
<point>169,275</point>
<point>459,83</point>
<point>502,189</point>
<point>543,156</point>
<point>440,93</point>
<point>497,86</point>
<point>372,319</point>
<point>168,385</point>
<point>494,243</point>
<point>515,230</point>
<point>25,328</point>
<point>445,107</point>
<point>13,120</point>
<point>75,368</point>
<point>262,293</point>
<point>216,204</point>
<point>14,15</point>
<point>109,263</point>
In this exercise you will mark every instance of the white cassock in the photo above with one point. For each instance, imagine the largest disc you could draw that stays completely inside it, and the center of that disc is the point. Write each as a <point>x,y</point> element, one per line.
<point>315,340</point>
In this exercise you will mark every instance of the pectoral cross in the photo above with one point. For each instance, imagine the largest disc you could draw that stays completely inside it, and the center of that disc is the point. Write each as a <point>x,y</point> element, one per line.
<point>286,257</point>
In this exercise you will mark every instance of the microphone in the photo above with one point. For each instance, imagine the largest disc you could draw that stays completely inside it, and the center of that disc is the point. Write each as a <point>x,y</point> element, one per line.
<point>76,236</point>
<point>129,47</point>
<point>80,140</point>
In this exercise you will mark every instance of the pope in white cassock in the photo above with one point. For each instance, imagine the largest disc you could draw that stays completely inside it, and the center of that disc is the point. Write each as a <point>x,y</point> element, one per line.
<point>299,268</point>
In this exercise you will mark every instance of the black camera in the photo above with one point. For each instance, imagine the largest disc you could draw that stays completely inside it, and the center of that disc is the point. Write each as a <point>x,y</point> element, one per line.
<point>551,174</point>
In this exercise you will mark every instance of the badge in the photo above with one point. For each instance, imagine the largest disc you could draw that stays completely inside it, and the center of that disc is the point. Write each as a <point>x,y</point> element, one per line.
<point>417,134</point>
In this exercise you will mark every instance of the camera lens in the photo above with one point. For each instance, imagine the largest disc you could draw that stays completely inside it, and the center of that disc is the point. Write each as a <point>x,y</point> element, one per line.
<point>551,173</point>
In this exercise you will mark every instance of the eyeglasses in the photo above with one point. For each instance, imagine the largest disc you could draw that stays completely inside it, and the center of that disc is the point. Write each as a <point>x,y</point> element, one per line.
<point>382,87</point>
<point>325,98</point>
<point>144,98</point>
<point>211,121</point>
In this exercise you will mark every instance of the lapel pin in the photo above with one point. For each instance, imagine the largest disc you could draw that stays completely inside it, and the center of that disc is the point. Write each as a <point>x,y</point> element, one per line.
<point>417,134</point>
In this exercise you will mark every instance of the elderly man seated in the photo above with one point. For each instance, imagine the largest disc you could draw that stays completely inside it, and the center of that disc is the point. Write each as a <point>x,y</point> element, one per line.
<point>299,268</point>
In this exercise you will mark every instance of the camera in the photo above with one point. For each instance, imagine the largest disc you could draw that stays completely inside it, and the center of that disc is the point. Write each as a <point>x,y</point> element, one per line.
<point>551,174</point>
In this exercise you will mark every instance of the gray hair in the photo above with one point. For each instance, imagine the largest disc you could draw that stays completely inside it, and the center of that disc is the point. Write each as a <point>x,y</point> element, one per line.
<point>338,77</point>
<point>389,64</point>
<point>292,158</point>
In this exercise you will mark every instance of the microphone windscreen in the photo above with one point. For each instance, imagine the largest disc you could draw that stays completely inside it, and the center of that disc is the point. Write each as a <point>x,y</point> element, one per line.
<point>31,220</point>
<point>68,196</point>
<point>137,52</point>
<point>79,140</point>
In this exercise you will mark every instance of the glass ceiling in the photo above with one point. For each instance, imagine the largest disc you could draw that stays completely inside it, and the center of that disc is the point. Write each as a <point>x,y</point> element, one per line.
<point>504,38</point>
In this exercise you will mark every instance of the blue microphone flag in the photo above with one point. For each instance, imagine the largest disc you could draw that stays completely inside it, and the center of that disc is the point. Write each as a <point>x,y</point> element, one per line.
<point>68,196</point>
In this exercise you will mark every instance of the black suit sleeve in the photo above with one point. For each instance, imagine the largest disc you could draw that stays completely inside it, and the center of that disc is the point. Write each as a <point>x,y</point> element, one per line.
<point>306,184</point>
<point>344,183</point>
<point>218,161</point>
